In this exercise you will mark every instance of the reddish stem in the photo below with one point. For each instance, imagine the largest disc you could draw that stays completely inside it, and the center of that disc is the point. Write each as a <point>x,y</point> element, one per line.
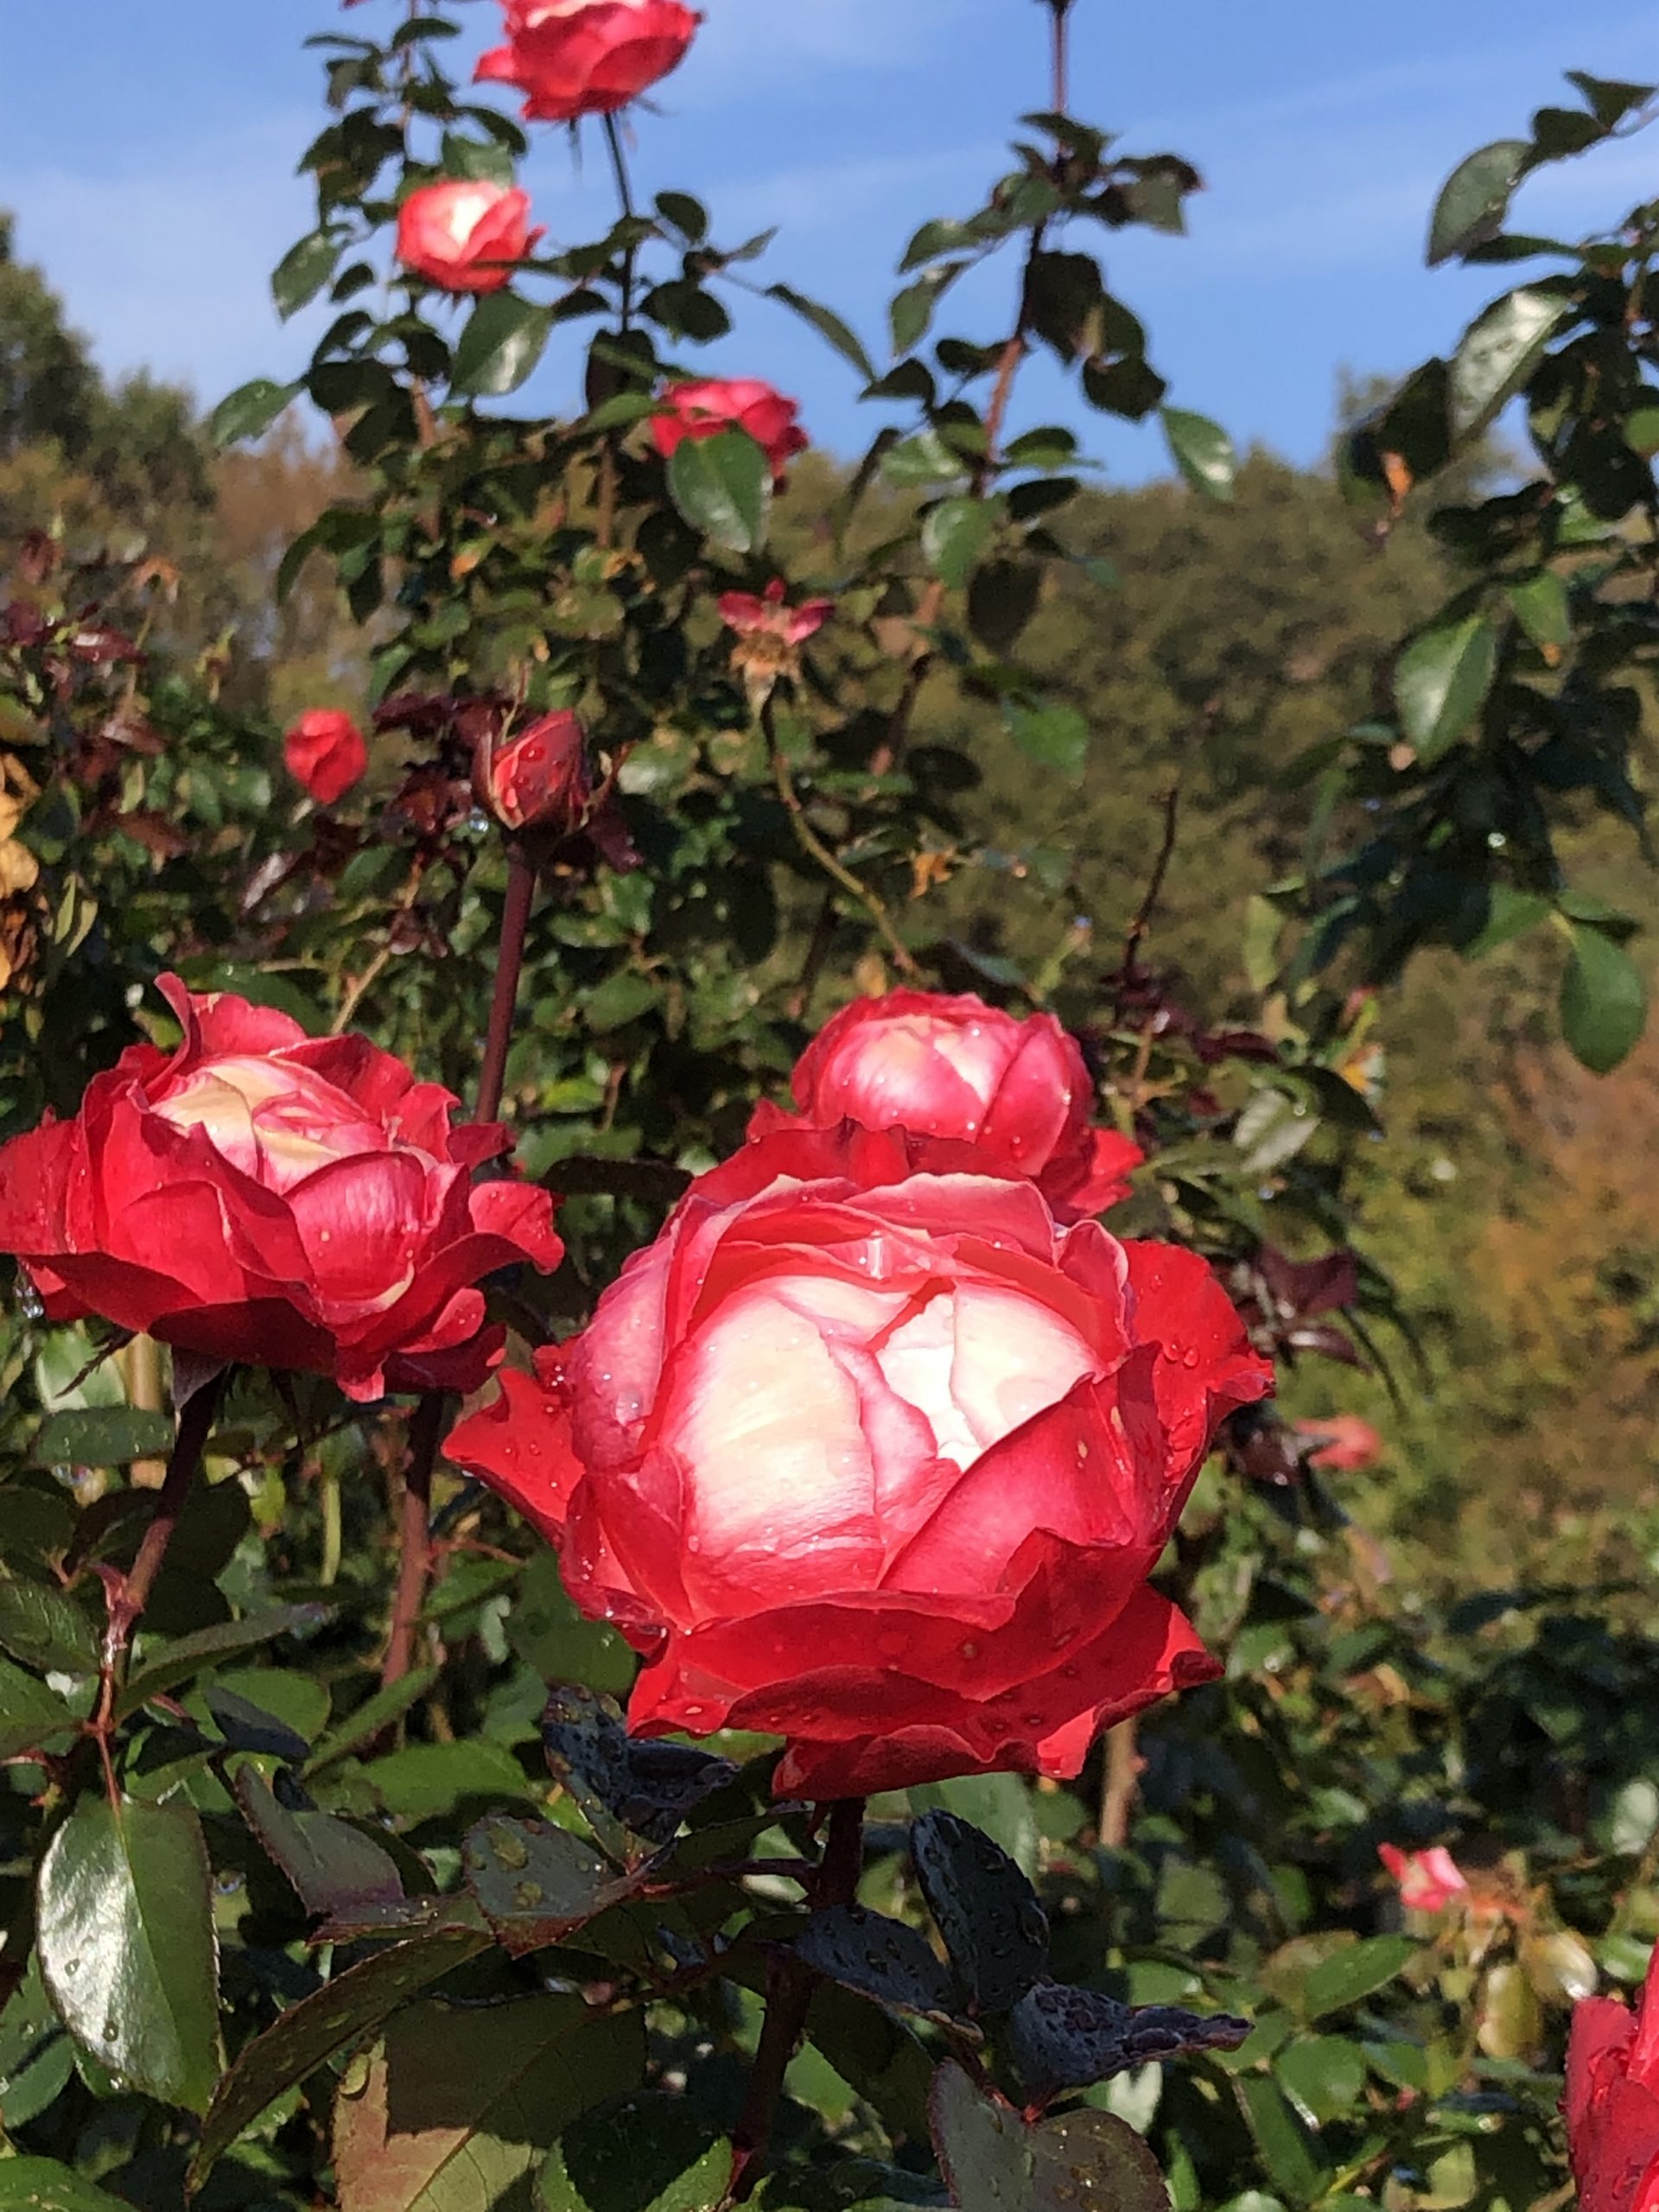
<point>415,1538</point>
<point>510,960</point>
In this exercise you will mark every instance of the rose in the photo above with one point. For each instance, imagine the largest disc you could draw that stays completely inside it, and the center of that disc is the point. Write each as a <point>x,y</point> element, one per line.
<point>1017,1091</point>
<point>462,235</point>
<point>1343,1442</point>
<point>587,57</point>
<point>867,1452</point>
<point>770,634</point>
<point>326,752</point>
<point>538,779</point>
<point>1429,1881</point>
<point>261,1196</point>
<point>1612,2104</point>
<point>704,409</point>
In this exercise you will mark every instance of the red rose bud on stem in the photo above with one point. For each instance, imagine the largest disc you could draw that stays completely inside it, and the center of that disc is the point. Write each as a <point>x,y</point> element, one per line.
<point>1612,2104</point>
<point>704,409</point>
<point>1017,1091</point>
<point>464,236</point>
<point>259,1196</point>
<point>572,58</point>
<point>326,751</point>
<point>538,779</point>
<point>868,1452</point>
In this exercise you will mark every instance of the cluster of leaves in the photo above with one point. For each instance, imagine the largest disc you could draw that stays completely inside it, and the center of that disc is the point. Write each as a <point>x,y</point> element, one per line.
<point>1523,697</point>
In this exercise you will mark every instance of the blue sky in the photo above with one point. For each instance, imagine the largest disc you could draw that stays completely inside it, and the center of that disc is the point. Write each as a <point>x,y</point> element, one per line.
<point>149,154</point>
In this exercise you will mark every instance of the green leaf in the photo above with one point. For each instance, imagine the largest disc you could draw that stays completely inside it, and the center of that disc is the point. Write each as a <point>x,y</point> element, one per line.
<point>101,1436</point>
<point>652,2153</point>
<point>377,1713</point>
<point>1609,99</point>
<point>46,1628</point>
<point>36,2056</point>
<point>1059,2038</point>
<point>423,1781</point>
<point>500,346</point>
<point>442,2121</point>
<point>1475,199</point>
<point>1441,680</point>
<point>1055,737</point>
<point>1279,2137</point>
<point>302,272</point>
<point>829,326</point>
<point>1543,610</point>
<point>250,409</point>
<point>125,1916</point>
<point>42,2185</point>
<point>1202,451</point>
<point>1354,1972</point>
<point>1603,1003</point>
<point>925,459</point>
<point>722,486</point>
<point>1509,913</point>
<point>998,1803</point>
<point>31,1714</point>
<point>533,1882</point>
<point>550,1636</point>
<point>995,2162</point>
<point>994,1928</point>
<point>176,1662</point>
<point>878,1958</point>
<point>332,1865</point>
<point>954,535</point>
<point>910,312</point>
<point>313,2030</point>
<point>1324,2076</point>
<point>1496,351</point>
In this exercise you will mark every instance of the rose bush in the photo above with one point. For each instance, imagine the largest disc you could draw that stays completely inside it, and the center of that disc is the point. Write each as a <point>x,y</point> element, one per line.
<point>866,1451</point>
<point>261,1196</point>
<point>571,58</point>
<point>1611,2103</point>
<point>326,751</point>
<point>941,1066</point>
<point>465,235</point>
<point>703,408</point>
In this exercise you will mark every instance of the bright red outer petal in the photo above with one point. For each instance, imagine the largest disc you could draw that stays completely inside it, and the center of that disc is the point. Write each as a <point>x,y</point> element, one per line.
<point>519,1443</point>
<point>217,1022</point>
<point>1207,1367</point>
<point>35,1173</point>
<point>1093,1177</point>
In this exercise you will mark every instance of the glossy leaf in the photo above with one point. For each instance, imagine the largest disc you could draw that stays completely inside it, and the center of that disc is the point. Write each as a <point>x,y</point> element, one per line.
<point>994,1928</point>
<point>722,486</point>
<point>332,1865</point>
<point>1202,451</point>
<point>623,1783</point>
<point>533,1882</point>
<point>1497,352</point>
<point>1441,680</point>
<point>1475,199</point>
<point>44,1627</point>
<point>166,1664</point>
<point>302,272</point>
<point>829,326</point>
<point>102,1436</point>
<point>1603,1001</point>
<point>1056,737</point>
<point>313,2030</point>
<point>1064,2039</point>
<point>993,2161</point>
<point>127,1946</point>
<point>954,535</point>
<point>1354,1972</point>
<point>32,1712</point>
<point>652,2153</point>
<point>878,1957</point>
<point>249,411</point>
<point>31,2184</point>
<point>439,2122</point>
<point>500,346</point>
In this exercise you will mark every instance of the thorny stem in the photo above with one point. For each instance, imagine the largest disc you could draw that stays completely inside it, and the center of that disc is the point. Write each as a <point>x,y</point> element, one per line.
<point>426,1429</point>
<point>128,1594</point>
<point>811,843</point>
<point>789,1997</point>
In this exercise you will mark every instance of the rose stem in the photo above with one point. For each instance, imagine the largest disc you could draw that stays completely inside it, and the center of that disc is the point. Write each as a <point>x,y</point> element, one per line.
<point>1118,1784</point>
<point>789,1993</point>
<point>131,1594</point>
<point>426,1428</point>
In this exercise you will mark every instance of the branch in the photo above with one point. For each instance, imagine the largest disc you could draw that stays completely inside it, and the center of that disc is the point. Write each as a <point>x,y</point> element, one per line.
<point>1142,923</point>
<point>810,842</point>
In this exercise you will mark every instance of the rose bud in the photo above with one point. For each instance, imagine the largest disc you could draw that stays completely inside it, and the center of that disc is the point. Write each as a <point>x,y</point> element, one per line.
<point>1429,1881</point>
<point>1017,1091</point>
<point>1343,1442</point>
<point>539,779</point>
<point>571,58</point>
<point>867,1453</point>
<point>770,634</point>
<point>463,236</point>
<point>703,410</point>
<point>259,1196</point>
<point>326,752</point>
<point>1612,2104</point>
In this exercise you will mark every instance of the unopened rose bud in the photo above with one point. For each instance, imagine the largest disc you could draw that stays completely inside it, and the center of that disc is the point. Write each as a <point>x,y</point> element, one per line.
<point>325,750</point>
<point>538,779</point>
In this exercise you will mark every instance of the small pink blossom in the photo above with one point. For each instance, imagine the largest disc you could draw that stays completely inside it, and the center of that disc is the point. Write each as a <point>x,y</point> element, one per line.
<point>1430,1881</point>
<point>742,612</point>
<point>1342,1441</point>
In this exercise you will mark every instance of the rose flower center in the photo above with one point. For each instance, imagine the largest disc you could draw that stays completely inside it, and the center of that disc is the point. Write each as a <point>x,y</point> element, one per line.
<point>276,1123</point>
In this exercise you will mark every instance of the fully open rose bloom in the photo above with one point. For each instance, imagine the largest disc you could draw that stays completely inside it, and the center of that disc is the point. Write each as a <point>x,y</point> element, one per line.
<point>262,1196</point>
<point>571,58</point>
<point>704,409</point>
<point>463,235</point>
<point>866,1452</point>
<point>955,1067</point>
<point>1611,2103</point>
<point>326,751</point>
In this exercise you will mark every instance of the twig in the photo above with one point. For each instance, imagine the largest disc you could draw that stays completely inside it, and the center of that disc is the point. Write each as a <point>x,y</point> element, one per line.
<point>1142,923</point>
<point>510,960</point>
<point>789,1997</point>
<point>415,1536</point>
<point>1117,1791</point>
<point>810,842</point>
